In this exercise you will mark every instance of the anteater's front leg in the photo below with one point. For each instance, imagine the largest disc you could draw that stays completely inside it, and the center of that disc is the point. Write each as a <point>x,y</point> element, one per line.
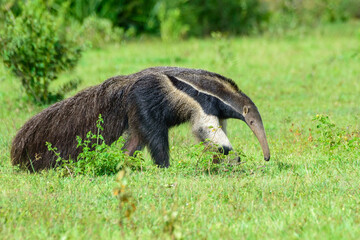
<point>158,144</point>
<point>151,113</point>
<point>155,137</point>
<point>148,131</point>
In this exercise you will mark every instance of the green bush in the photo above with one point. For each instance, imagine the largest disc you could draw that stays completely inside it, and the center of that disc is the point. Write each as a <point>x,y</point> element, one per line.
<point>127,14</point>
<point>333,140</point>
<point>96,158</point>
<point>100,31</point>
<point>338,10</point>
<point>201,18</point>
<point>175,19</point>
<point>36,46</point>
<point>236,17</point>
<point>171,25</point>
<point>291,14</point>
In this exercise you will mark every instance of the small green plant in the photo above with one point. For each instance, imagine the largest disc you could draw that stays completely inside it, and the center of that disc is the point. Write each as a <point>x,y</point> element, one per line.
<point>36,46</point>
<point>65,167</point>
<point>97,158</point>
<point>208,160</point>
<point>331,138</point>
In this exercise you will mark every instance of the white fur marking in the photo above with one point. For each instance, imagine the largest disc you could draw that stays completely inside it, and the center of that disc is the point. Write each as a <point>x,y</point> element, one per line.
<point>208,127</point>
<point>204,126</point>
<point>206,92</point>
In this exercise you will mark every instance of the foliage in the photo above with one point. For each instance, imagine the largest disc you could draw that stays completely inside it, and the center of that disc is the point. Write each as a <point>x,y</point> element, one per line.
<point>9,5</point>
<point>204,158</point>
<point>171,26</point>
<point>172,19</point>
<point>176,19</point>
<point>37,48</point>
<point>199,18</point>
<point>126,14</point>
<point>290,15</point>
<point>100,31</point>
<point>332,139</point>
<point>97,158</point>
<point>236,17</point>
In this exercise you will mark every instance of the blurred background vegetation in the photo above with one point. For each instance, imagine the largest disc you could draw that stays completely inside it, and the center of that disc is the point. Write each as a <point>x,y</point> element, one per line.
<point>197,18</point>
<point>39,38</point>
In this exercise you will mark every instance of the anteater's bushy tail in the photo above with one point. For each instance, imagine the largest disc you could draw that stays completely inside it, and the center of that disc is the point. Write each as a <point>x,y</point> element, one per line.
<point>60,123</point>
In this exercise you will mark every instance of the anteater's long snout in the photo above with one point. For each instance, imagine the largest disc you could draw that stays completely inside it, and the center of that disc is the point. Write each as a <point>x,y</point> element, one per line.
<point>258,129</point>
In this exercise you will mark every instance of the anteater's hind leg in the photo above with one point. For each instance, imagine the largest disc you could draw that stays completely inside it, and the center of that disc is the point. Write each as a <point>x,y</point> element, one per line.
<point>133,144</point>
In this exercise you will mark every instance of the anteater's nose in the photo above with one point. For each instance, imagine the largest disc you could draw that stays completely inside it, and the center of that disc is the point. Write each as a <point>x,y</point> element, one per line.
<point>225,150</point>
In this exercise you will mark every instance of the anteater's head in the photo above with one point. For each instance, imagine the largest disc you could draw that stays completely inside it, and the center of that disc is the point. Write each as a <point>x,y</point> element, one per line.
<point>251,116</point>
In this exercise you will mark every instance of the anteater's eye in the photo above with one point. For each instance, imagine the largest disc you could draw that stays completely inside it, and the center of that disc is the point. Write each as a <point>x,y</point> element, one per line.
<point>251,122</point>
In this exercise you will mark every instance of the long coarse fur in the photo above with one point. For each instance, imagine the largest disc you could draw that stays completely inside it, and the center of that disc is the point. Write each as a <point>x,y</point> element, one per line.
<point>145,104</point>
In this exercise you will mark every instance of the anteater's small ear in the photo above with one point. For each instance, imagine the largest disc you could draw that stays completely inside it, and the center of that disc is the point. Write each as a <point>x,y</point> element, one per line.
<point>245,110</point>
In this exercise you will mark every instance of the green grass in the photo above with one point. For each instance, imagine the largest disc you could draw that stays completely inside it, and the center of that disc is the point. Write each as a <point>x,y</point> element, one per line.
<point>307,190</point>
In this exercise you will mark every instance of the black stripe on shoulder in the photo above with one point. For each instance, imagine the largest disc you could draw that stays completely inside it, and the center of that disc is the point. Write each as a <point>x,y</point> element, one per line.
<point>210,104</point>
<point>186,71</point>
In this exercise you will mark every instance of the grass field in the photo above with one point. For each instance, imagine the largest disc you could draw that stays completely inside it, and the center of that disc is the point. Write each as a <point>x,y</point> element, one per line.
<point>310,189</point>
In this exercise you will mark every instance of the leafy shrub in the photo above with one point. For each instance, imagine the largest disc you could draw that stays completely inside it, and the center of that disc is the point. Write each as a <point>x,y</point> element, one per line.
<point>171,25</point>
<point>96,158</point>
<point>332,139</point>
<point>127,14</point>
<point>205,17</point>
<point>9,5</point>
<point>287,15</point>
<point>173,18</point>
<point>36,47</point>
<point>236,17</point>
<point>100,31</point>
<point>340,10</point>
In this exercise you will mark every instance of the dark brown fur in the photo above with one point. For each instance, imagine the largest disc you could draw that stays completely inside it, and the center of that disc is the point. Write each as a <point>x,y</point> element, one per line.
<point>62,122</point>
